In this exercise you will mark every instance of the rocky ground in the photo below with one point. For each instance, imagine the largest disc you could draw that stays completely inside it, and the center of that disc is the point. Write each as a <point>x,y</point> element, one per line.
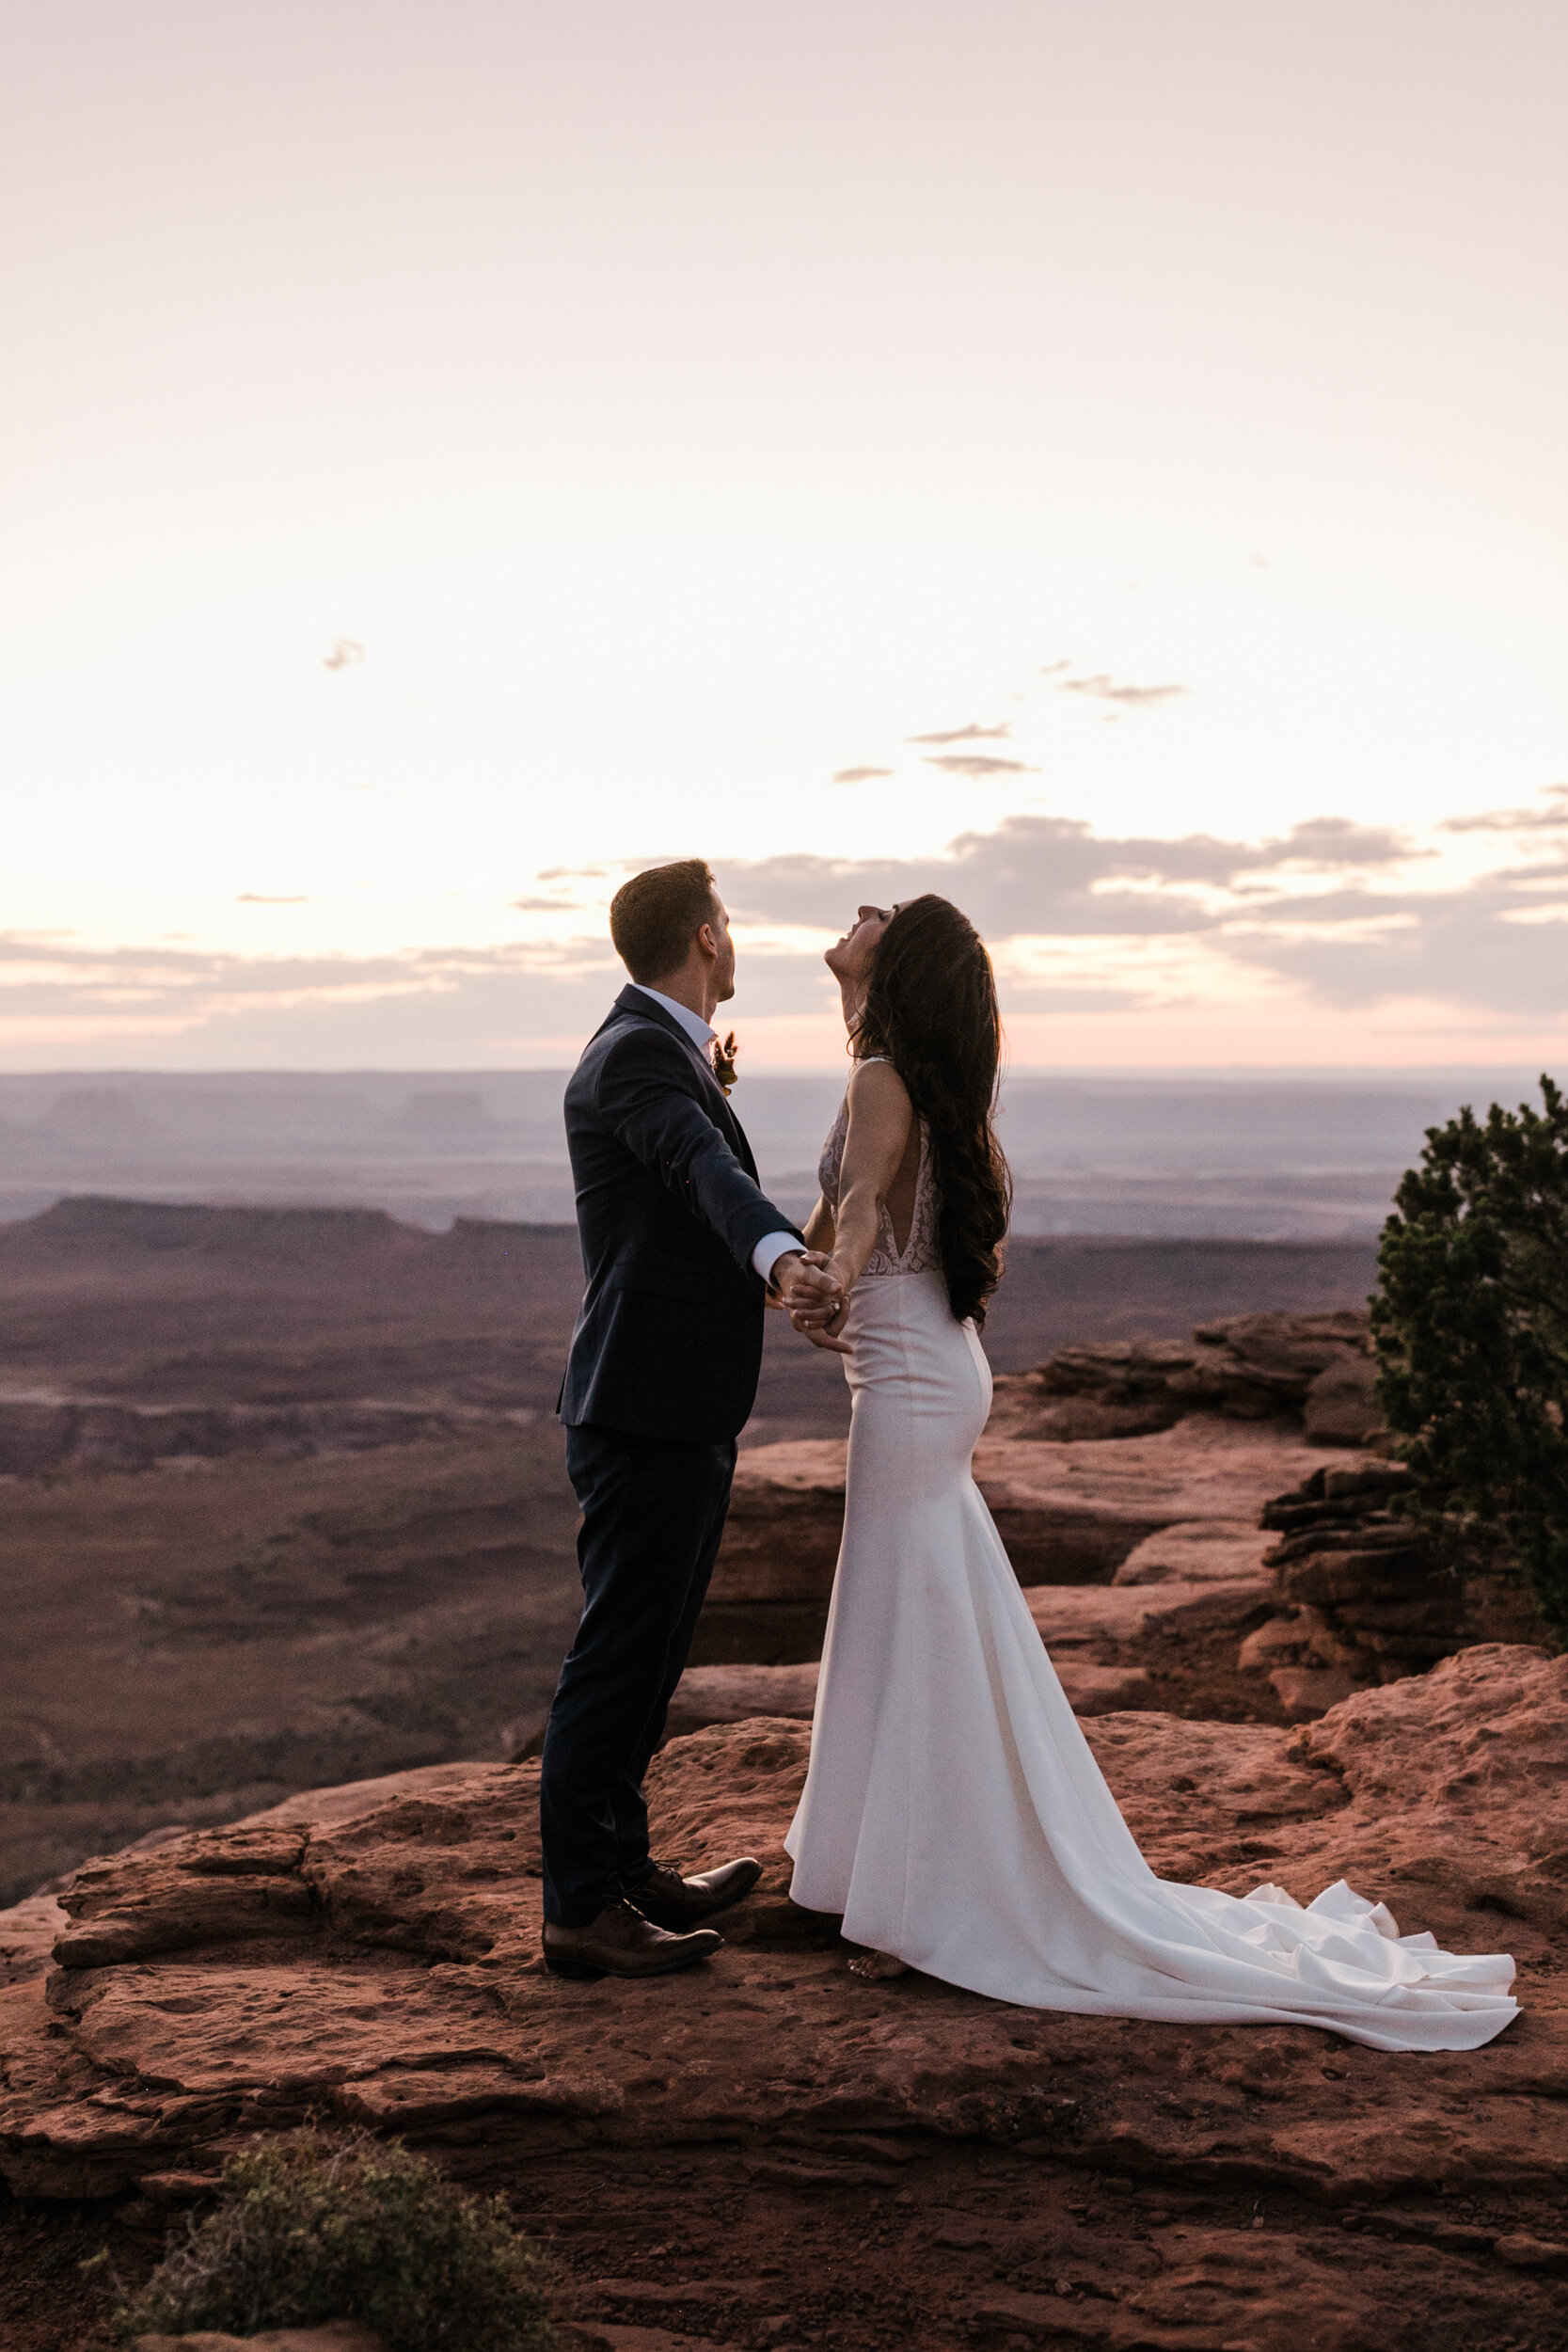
<point>767,2152</point>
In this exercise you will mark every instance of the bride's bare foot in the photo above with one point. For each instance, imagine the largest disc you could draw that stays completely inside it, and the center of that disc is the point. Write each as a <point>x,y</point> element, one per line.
<point>877,1967</point>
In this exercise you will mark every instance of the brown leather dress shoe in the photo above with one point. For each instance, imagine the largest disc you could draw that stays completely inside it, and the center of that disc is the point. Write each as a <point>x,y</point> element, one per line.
<point>671,1901</point>
<point>621,1943</point>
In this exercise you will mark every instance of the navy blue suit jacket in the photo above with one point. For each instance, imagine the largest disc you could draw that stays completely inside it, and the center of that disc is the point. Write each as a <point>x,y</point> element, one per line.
<point>668,1341</point>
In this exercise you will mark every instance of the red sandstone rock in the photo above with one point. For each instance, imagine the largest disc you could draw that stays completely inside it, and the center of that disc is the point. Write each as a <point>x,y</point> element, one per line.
<point>406,1990</point>
<point>732,1695</point>
<point>1252,1367</point>
<point>1199,1552</point>
<point>1072,1616</point>
<point>27,1935</point>
<point>1308,1693</point>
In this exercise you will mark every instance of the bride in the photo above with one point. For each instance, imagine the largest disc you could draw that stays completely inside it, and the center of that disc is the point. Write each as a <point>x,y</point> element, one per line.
<point>953,1813</point>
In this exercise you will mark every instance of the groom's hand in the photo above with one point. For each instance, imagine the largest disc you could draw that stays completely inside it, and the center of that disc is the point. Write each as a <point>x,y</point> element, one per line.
<point>804,1284</point>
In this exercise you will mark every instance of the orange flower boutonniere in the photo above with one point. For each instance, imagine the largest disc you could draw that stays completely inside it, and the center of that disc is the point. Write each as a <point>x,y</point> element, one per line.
<point>723,1061</point>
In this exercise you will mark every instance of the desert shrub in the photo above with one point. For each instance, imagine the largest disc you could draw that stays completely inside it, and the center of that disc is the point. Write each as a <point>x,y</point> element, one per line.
<point>1470,1323</point>
<point>312,2228</point>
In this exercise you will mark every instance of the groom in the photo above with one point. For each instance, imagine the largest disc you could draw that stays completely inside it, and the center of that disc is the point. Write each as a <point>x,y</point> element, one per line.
<point>680,1250</point>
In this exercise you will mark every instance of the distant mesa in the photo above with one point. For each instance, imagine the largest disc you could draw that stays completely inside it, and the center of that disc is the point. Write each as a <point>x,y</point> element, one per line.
<point>96,1111</point>
<point>446,1113</point>
<point>163,1225</point>
<point>289,1234</point>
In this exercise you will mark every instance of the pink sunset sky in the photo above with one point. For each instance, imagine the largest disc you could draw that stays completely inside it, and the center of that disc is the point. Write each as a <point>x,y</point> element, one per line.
<point>1099,459</point>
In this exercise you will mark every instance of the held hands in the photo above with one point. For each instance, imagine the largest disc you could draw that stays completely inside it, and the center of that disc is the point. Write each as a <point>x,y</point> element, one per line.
<point>815,1298</point>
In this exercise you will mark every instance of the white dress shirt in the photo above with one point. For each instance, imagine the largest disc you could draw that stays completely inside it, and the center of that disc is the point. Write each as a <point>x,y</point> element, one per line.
<point>772,1246</point>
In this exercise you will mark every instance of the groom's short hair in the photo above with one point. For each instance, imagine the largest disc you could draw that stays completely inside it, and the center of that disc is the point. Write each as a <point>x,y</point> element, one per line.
<point>655,917</point>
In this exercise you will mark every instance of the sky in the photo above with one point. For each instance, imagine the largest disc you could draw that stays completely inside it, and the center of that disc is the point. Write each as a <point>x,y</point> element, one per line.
<point>1101,459</point>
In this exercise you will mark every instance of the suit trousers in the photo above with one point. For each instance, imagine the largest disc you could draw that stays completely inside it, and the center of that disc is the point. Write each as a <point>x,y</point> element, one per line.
<point>652,1514</point>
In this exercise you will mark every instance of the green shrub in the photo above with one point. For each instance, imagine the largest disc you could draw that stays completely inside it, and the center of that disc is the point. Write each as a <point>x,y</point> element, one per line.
<point>312,2228</point>
<point>1470,1323</point>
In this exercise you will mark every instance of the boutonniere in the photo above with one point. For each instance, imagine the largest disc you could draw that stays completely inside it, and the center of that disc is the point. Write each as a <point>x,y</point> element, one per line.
<point>723,1061</point>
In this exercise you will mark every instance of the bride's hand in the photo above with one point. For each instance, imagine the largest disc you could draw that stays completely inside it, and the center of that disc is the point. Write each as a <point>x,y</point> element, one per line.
<point>824,1330</point>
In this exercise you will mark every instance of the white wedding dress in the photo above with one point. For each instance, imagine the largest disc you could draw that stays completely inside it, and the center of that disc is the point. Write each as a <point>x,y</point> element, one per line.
<point>954,1813</point>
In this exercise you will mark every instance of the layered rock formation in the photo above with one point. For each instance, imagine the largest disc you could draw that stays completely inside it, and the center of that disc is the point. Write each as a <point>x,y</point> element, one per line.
<point>1370,1601</point>
<point>1252,1367</point>
<point>1074,1512</point>
<point>370,1954</point>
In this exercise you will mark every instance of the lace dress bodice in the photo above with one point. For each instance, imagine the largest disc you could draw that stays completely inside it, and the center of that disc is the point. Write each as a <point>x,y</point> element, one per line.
<point>922,1254</point>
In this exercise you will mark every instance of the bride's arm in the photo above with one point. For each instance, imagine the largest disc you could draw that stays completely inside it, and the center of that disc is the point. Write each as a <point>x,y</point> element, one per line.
<point>818,1227</point>
<point>881,1117</point>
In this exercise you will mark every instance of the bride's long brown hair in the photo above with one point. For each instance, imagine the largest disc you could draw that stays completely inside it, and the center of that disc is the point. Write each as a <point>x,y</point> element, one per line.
<point>931,1006</point>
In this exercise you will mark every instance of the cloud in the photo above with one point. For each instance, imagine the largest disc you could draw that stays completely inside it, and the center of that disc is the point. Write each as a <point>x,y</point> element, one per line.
<point>1337,841</point>
<point>462,1006</point>
<point>263,899</point>
<point>1460,946</point>
<point>978,764</point>
<point>1101,687</point>
<point>1053,875</point>
<point>345,654</point>
<point>1516,819</point>
<point>973,733</point>
<point>1494,945</point>
<point>859,775</point>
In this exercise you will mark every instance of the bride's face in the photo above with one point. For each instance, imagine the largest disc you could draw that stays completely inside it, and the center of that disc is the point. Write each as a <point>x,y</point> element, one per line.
<point>849,958</point>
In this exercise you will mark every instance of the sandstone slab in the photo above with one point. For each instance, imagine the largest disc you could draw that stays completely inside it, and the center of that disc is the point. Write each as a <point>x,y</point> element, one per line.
<point>1308,1693</point>
<point>413,1999</point>
<point>733,1694</point>
<point>1076,1616</point>
<point>27,1935</point>
<point>1203,1551</point>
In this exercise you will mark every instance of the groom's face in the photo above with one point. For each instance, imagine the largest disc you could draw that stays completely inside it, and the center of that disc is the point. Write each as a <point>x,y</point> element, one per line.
<point>724,971</point>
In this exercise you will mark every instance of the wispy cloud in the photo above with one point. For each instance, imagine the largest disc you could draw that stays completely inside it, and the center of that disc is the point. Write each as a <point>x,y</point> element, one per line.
<point>859,775</point>
<point>1101,687</point>
<point>265,898</point>
<point>973,733</point>
<point>977,765</point>
<point>1546,818</point>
